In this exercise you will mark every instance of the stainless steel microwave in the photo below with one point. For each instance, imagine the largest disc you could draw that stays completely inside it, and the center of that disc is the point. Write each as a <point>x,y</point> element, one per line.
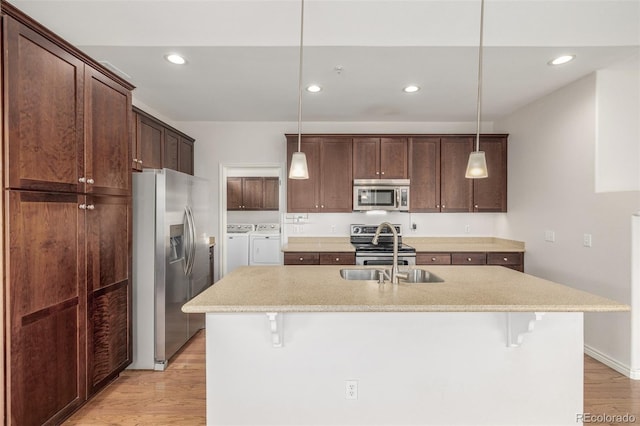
<point>381,194</point>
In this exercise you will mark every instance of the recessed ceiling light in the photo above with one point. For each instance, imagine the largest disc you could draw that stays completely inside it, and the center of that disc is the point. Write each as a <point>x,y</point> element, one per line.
<point>562,60</point>
<point>314,88</point>
<point>411,89</point>
<point>174,58</point>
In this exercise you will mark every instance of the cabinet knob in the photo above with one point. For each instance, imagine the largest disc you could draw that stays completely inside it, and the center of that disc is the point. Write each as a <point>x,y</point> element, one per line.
<point>322,206</point>
<point>140,161</point>
<point>91,181</point>
<point>316,206</point>
<point>476,206</point>
<point>337,259</point>
<point>82,206</point>
<point>443,206</point>
<point>505,259</point>
<point>82,180</point>
<point>468,259</point>
<point>90,207</point>
<point>135,160</point>
<point>437,206</point>
<point>301,259</point>
<point>433,259</point>
<point>381,173</point>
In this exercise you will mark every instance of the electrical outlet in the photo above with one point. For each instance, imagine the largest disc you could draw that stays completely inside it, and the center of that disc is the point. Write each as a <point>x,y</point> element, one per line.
<point>550,236</point>
<point>586,240</point>
<point>414,226</point>
<point>467,229</point>
<point>351,389</point>
<point>333,229</point>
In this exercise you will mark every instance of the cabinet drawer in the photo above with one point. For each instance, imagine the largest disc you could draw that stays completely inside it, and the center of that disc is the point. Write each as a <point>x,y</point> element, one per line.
<point>468,258</point>
<point>433,258</point>
<point>504,258</point>
<point>301,258</point>
<point>337,258</point>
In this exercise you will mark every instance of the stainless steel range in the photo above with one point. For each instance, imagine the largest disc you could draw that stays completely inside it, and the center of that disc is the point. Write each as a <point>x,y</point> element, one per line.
<point>382,254</point>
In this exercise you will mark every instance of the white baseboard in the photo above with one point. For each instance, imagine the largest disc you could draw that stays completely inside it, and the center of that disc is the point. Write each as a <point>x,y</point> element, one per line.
<point>613,363</point>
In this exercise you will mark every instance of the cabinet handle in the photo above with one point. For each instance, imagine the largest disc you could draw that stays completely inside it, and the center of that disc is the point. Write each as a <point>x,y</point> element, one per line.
<point>90,207</point>
<point>82,206</point>
<point>82,180</point>
<point>91,181</point>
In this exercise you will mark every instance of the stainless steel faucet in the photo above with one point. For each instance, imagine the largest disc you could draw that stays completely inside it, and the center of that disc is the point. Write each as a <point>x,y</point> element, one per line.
<point>394,268</point>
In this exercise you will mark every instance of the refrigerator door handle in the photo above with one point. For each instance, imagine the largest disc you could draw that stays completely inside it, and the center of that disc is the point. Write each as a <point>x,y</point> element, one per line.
<point>192,239</point>
<point>187,241</point>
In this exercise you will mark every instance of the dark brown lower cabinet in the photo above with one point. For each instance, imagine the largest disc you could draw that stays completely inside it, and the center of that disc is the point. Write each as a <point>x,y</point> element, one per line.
<point>316,258</point>
<point>68,301</point>
<point>512,260</point>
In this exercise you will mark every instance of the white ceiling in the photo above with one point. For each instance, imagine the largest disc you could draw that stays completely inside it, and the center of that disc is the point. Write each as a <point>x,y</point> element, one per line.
<point>243,55</point>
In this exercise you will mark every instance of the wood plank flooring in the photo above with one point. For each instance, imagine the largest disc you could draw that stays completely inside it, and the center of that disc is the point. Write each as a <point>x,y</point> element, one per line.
<point>177,395</point>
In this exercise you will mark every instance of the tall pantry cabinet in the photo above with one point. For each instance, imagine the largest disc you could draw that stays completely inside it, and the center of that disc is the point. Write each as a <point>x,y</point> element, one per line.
<point>66,299</point>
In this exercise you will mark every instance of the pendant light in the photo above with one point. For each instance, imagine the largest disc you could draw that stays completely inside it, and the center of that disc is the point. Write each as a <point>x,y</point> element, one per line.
<point>477,165</point>
<point>299,168</point>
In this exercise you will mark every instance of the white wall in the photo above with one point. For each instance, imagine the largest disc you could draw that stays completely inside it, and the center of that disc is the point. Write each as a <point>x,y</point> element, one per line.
<point>552,148</point>
<point>618,127</point>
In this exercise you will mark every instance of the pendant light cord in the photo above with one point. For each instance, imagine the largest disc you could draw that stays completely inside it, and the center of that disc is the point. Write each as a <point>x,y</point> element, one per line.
<point>300,75</point>
<point>479,107</point>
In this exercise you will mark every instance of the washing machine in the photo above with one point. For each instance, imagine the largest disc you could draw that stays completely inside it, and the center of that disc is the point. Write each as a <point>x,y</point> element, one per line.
<point>237,240</point>
<point>264,245</point>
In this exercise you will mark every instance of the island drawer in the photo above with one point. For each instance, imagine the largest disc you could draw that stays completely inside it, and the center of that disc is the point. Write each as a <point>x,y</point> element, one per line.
<point>433,258</point>
<point>338,258</point>
<point>468,258</point>
<point>301,258</point>
<point>504,258</point>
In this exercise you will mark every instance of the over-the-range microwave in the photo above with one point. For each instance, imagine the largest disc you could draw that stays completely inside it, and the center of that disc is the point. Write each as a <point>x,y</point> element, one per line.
<point>381,194</point>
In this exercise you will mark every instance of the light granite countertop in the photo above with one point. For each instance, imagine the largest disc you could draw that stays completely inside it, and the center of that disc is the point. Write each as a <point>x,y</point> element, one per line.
<point>421,244</point>
<point>321,289</point>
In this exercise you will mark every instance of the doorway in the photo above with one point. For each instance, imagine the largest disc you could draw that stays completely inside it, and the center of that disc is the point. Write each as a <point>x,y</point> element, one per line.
<point>230,216</point>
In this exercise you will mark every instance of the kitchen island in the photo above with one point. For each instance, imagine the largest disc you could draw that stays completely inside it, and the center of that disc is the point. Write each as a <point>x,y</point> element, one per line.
<point>292,345</point>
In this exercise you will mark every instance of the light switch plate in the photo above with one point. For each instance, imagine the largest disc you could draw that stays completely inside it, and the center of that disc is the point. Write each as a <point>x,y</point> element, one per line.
<point>586,240</point>
<point>550,236</point>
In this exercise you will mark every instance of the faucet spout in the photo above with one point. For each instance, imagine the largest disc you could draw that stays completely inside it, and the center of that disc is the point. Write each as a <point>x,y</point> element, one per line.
<point>394,268</point>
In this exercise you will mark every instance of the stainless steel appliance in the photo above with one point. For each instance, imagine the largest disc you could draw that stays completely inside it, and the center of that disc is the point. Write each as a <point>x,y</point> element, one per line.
<point>170,262</point>
<point>381,194</point>
<point>368,253</point>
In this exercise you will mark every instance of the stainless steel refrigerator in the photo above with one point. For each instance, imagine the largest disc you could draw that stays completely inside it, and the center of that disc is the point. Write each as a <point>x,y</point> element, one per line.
<point>170,262</point>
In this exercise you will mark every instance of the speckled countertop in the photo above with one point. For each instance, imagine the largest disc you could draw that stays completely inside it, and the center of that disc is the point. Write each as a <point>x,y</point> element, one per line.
<point>421,244</point>
<point>321,289</point>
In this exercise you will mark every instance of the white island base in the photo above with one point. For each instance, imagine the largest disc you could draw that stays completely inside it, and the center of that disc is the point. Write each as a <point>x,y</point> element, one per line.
<point>411,368</point>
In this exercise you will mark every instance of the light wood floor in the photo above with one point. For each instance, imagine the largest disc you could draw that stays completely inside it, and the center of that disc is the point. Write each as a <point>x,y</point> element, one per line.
<point>177,395</point>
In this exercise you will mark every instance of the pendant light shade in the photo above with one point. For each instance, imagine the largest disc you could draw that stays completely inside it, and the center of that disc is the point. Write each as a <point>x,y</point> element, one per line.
<point>477,164</point>
<point>299,169</point>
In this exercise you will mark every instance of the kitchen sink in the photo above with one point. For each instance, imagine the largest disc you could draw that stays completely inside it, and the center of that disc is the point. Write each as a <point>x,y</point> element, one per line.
<point>414,275</point>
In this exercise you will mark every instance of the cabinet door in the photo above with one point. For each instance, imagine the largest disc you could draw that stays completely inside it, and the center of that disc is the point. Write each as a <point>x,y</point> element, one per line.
<point>456,190</point>
<point>108,287</point>
<point>185,156</point>
<point>303,195</point>
<point>393,158</point>
<point>150,136</point>
<point>366,158</point>
<point>234,193</point>
<point>271,198</point>
<point>252,190</point>
<point>424,172</point>
<point>336,185</point>
<point>171,144</point>
<point>107,135</point>
<point>45,348</point>
<point>490,194</point>
<point>43,95</point>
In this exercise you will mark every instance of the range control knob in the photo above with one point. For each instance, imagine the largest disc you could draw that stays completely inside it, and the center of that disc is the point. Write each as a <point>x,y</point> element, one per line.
<point>357,230</point>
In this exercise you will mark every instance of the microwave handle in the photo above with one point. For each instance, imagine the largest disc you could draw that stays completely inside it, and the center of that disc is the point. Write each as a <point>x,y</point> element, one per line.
<point>397,198</point>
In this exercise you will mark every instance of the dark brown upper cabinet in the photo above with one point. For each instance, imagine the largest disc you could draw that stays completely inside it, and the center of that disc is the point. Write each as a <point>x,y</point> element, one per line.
<point>490,194</point>
<point>456,191</point>
<point>252,193</point>
<point>424,173</point>
<point>380,158</point>
<point>158,145</point>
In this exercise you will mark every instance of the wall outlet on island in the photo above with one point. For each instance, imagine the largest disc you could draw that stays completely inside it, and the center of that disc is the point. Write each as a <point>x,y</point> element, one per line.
<point>333,229</point>
<point>351,389</point>
<point>467,229</point>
